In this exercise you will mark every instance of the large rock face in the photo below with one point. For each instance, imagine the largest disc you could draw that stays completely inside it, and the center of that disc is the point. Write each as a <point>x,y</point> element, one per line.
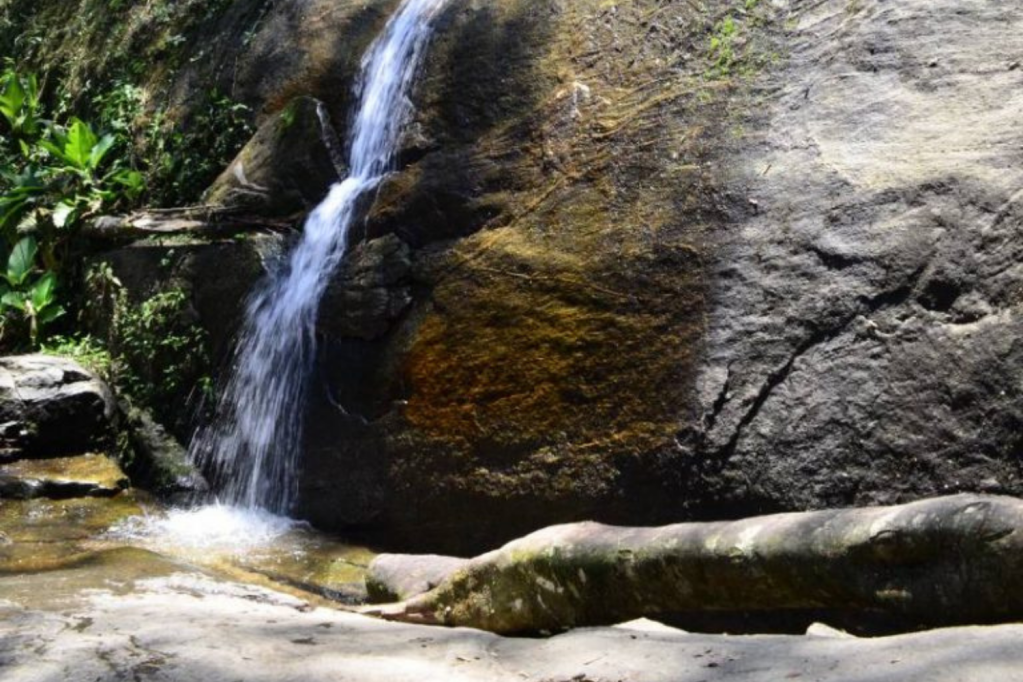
<point>648,261</point>
<point>863,342</point>
<point>677,282</point>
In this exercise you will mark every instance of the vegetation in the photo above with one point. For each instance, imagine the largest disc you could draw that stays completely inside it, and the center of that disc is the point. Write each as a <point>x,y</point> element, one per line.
<point>162,344</point>
<point>732,50</point>
<point>182,162</point>
<point>110,66</point>
<point>87,350</point>
<point>53,177</point>
<point>57,174</point>
<point>153,350</point>
<point>34,300</point>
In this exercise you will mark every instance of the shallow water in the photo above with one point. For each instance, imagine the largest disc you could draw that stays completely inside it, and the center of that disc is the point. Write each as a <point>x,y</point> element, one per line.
<point>253,540</point>
<point>86,544</point>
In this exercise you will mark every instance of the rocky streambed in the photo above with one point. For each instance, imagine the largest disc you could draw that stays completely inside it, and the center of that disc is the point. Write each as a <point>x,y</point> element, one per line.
<point>67,508</point>
<point>100,581</point>
<point>173,623</point>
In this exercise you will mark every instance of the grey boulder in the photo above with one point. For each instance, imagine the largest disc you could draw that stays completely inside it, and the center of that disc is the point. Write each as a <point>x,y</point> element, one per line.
<point>52,405</point>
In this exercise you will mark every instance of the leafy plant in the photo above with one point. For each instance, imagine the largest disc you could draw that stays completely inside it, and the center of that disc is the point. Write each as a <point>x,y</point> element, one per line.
<point>160,349</point>
<point>78,155</point>
<point>52,178</point>
<point>34,300</point>
<point>20,106</point>
<point>86,349</point>
<point>722,52</point>
<point>185,159</point>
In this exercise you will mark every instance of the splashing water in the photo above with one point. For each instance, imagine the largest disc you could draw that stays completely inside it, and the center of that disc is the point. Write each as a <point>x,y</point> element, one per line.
<point>213,528</point>
<point>251,451</point>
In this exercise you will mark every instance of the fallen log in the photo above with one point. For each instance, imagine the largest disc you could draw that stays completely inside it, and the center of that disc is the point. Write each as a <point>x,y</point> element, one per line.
<point>200,221</point>
<point>943,561</point>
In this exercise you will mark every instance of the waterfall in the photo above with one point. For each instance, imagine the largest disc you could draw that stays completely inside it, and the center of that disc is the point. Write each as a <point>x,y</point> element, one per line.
<point>251,450</point>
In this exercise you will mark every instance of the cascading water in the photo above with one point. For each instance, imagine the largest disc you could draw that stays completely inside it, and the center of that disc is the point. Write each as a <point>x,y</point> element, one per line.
<point>251,451</point>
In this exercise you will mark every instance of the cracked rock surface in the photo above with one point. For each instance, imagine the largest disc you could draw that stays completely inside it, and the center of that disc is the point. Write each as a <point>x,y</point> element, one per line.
<point>863,344</point>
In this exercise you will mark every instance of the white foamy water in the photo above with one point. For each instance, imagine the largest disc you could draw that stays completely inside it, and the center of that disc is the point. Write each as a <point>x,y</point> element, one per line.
<point>216,528</point>
<point>251,451</point>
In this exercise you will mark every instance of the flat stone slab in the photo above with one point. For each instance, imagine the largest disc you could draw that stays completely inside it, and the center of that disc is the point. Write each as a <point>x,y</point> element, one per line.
<point>186,627</point>
<point>62,478</point>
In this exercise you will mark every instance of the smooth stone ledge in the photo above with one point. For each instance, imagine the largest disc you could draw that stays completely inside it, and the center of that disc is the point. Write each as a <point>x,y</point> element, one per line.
<point>186,627</point>
<point>62,478</point>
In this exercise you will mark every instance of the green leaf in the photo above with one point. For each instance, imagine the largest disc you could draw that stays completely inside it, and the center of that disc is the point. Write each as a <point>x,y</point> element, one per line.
<point>32,92</point>
<point>131,180</point>
<point>23,257</point>
<point>11,100</point>
<point>12,210</point>
<point>56,149</point>
<point>43,291</point>
<point>13,299</point>
<point>100,150</point>
<point>80,143</point>
<point>49,314</point>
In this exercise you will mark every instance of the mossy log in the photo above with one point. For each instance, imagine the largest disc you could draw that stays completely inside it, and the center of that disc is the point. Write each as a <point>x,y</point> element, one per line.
<point>941,561</point>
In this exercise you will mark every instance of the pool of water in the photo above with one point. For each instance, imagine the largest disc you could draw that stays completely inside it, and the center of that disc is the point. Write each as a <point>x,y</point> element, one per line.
<point>106,544</point>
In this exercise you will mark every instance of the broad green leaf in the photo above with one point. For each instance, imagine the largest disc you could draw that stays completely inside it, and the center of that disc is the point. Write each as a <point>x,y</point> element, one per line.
<point>12,201</point>
<point>23,257</point>
<point>13,299</point>
<point>12,210</point>
<point>11,100</point>
<point>57,150</point>
<point>25,183</point>
<point>32,93</point>
<point>49,314</point>
<point>130,179</point>
<point>100,150</point>
<point>43,291</point>
<point>80,143</point>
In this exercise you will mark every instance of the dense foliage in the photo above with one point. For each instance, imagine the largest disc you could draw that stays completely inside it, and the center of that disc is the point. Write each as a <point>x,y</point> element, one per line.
<point>53,176</point>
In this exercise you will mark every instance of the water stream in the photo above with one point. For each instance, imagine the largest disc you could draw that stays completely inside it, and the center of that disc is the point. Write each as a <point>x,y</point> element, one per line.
<point>251,451</point>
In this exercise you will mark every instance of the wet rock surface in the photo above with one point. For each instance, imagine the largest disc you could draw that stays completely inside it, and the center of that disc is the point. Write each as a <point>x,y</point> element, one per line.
<point>160,464</point>
<point>371,291</point>
<point>62,478</point>
<point>49,535</point>
<point>784,287</point>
